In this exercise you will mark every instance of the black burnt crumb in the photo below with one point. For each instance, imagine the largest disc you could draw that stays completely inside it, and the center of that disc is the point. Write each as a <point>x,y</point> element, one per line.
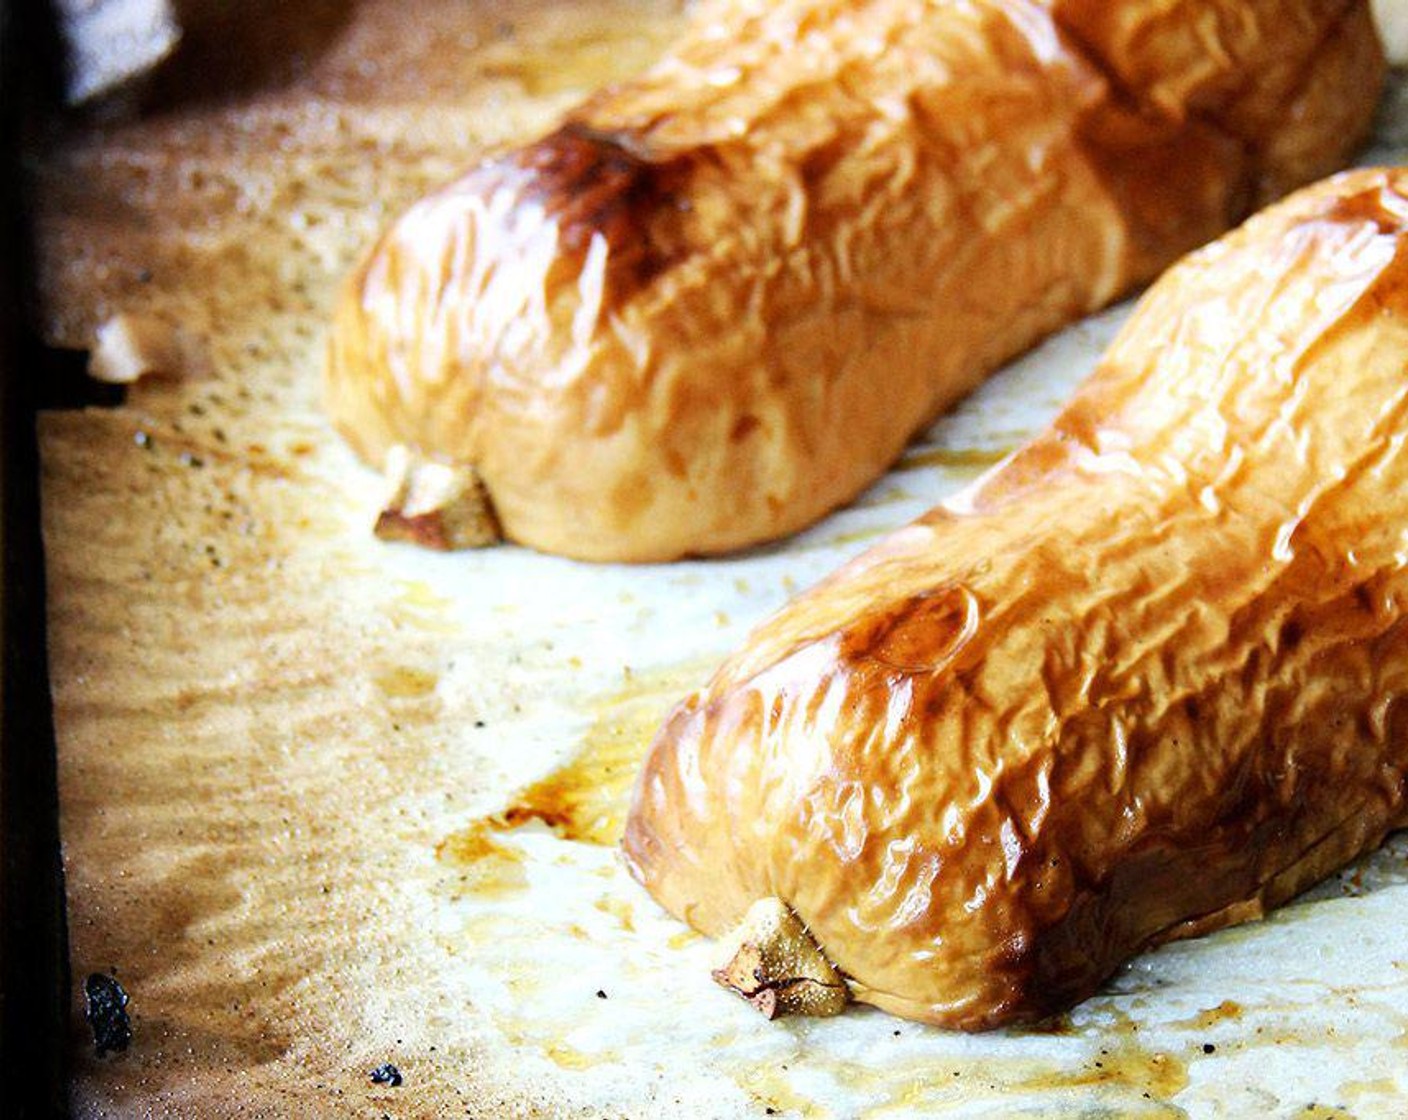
<point>897,1034</point>
<point>107,1013</point>
<point>1208,1047</point>
<point>600,994</point>
<point>771,1111</point>
<point>479,723</point>
<point>386,1074</point>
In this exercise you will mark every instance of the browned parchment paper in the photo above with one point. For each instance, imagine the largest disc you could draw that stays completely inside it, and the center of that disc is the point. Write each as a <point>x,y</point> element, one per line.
<point>280,740</point>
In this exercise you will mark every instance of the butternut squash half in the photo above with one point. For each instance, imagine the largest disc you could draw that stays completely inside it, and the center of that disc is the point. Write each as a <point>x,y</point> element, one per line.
<point>1147,678</point>
<point>719,299</point>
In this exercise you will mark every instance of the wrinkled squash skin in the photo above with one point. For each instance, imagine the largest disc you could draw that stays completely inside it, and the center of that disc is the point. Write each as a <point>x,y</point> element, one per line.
<point>1147,678</point>
<point>719,299</point>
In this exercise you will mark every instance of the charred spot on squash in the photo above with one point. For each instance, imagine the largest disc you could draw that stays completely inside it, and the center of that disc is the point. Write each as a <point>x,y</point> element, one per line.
<point>597,184</point>
<point>743,427</point>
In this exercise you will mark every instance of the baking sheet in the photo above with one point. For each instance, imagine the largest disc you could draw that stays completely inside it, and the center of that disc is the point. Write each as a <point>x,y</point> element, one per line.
<point>328,803</point>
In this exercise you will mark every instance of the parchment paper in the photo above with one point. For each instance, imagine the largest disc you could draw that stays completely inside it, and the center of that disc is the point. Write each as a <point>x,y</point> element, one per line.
<point>329,803</point>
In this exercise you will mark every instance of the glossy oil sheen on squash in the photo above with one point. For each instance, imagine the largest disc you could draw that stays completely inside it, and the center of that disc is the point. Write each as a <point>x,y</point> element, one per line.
<point>1147,678</point>
<point>718,300</point>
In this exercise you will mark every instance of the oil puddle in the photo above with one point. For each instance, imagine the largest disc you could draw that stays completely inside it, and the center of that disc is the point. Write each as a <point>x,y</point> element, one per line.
<point>585,799</point>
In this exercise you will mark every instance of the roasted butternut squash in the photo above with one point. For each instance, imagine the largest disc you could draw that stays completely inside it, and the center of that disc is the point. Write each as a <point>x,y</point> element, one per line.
<point>1147,678</point>
<point>719,299</point>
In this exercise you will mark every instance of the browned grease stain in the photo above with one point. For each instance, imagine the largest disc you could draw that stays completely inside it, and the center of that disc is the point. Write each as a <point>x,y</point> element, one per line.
<point>565,1057</point>
<point>1376,1097</point>
<point>588,797</point>
<point>1140,1081</point>
<point>486,868</point>
<point>770,1087</point>
<point>1149,1079</point>
<point>684,938</point>
<point>405,682</point>
<point>1226,1011</point>
<point>620,909</point>
<point>953,458</point>
<point>1158,1073</point>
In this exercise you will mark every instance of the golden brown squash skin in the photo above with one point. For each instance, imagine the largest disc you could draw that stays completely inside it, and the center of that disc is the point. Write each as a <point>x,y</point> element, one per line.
<point>719,299</point>
<point>1147,678</point>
